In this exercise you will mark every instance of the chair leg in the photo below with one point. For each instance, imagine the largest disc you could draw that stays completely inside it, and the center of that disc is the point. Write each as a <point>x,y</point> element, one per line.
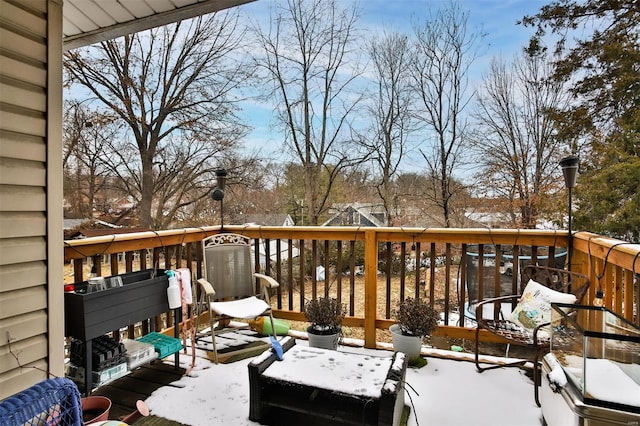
<point>536,377</point>
<point>273,328</point>
<point>477,350</point>
<point>480,369</point>
<point>198,309</point>
<point>491,367</point>
<point>213,336</point>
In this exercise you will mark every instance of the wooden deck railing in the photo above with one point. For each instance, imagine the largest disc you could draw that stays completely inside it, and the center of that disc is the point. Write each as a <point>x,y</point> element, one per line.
<point>389,261</point>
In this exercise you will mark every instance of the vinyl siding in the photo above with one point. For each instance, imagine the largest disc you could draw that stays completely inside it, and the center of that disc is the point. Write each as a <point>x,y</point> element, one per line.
<point>29,303</point>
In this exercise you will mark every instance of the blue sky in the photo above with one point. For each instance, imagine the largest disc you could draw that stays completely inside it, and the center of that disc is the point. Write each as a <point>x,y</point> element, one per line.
<point>496,18</point>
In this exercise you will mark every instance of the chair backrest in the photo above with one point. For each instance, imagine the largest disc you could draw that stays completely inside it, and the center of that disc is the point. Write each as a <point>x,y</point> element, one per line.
<point>507,270</point>
<point>557,279</point>
<point>227,265</point>
<point>488,279</point>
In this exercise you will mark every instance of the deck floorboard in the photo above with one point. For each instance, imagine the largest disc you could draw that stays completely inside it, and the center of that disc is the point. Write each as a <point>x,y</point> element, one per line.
<point>138,385</point>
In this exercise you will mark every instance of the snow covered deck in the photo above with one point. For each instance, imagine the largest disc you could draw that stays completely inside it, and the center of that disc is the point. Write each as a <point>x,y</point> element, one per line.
<point>444,392</point>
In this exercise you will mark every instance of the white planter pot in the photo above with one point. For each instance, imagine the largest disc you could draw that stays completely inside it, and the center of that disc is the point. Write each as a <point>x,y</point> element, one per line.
<point>324,341</point>
<point>410,345</point>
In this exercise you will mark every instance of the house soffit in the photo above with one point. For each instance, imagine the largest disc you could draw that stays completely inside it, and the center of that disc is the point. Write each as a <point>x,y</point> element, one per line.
<point>92,21</point>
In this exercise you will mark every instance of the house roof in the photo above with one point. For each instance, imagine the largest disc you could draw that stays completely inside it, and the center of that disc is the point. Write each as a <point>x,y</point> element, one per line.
<point>75,223</point>
<point>281,219</point>
<point>344,214</point>
<point>92,21</point>
<point>92,227</point>
<point>93,232</point>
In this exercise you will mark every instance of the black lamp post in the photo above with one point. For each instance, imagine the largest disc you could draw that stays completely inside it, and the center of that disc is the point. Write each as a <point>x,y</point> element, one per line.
<point>218,193</point>
<point>569,167</point>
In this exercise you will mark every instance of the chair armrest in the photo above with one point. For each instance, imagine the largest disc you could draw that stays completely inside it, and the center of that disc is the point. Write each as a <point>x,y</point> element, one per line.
<point>494,300</point>
<point>499,299</point>
<point>206,287</point>
<point>535,331</point>
<point>266,280</point>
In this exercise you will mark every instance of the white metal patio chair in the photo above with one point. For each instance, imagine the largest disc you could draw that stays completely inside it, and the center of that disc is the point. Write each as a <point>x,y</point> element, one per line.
<point>228,288</point>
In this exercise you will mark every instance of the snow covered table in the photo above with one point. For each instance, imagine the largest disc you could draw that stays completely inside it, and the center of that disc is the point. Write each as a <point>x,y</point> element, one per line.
<point>327,387</point>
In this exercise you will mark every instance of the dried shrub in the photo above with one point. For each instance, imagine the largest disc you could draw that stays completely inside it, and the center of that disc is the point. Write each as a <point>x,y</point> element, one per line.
<point>325,313</point>
<point>415,317</point>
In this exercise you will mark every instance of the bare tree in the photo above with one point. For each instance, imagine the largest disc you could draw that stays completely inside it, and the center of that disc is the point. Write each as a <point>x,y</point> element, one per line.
<point>517,148</point>
<point>444,52</point>
<point>309,63</point>
<point>173,86</point>
<point>86,154</point>
<point>390,113</point>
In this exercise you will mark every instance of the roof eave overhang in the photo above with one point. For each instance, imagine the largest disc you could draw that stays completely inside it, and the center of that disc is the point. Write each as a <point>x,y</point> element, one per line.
<point>156,20</point>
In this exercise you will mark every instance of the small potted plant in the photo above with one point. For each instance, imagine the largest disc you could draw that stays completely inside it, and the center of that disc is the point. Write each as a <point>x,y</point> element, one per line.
<point>325,315</point>
<point>415,320</point>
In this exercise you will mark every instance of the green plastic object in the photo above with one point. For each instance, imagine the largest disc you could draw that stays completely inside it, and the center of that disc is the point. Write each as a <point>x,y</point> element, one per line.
<point>263,326</point>
<point>164,345</point>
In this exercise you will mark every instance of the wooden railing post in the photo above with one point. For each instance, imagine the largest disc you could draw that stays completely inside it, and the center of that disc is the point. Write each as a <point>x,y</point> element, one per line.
<point>370,287</point>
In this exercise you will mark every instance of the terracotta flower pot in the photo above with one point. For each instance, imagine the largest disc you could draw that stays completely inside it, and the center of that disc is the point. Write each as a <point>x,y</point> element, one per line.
<point>95,409</point>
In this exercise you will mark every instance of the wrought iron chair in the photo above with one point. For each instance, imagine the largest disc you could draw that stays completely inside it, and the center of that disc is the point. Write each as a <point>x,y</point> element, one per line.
<point>508,285</point>
<point>536,337</point>
<point>228,288</point>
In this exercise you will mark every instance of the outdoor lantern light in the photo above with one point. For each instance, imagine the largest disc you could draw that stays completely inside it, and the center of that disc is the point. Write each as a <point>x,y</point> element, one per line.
<point>570,170</point>
<point>221,178</point>
<point>569,167</point>
<point>218,193</point>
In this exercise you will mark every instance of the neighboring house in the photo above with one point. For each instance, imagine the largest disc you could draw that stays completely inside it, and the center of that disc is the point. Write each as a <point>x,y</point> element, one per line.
<point>71,225</point>
<point>272,220</point>
<point>356,214</point>
<point>92,227</point>
<point>122,204</point>
<point>273,251</point>
<point>361,214</point>
<point>489,212</point>
<point>488,219</point>
<point>98,228</point>
<point>282,219</point>
<point>365,214</point>
<point>419,217</point>
<point>95,232</point>
<point>31,200</point>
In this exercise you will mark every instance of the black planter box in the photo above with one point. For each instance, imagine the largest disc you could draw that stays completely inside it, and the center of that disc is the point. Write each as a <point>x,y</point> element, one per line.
<point>142,296</point>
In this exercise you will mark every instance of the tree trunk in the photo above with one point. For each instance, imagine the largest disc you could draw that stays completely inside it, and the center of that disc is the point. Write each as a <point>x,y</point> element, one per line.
<point>146,195</point>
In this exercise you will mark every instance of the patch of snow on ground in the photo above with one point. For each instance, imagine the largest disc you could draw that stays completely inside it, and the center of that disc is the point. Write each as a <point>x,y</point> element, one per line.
<point>444,392</point>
